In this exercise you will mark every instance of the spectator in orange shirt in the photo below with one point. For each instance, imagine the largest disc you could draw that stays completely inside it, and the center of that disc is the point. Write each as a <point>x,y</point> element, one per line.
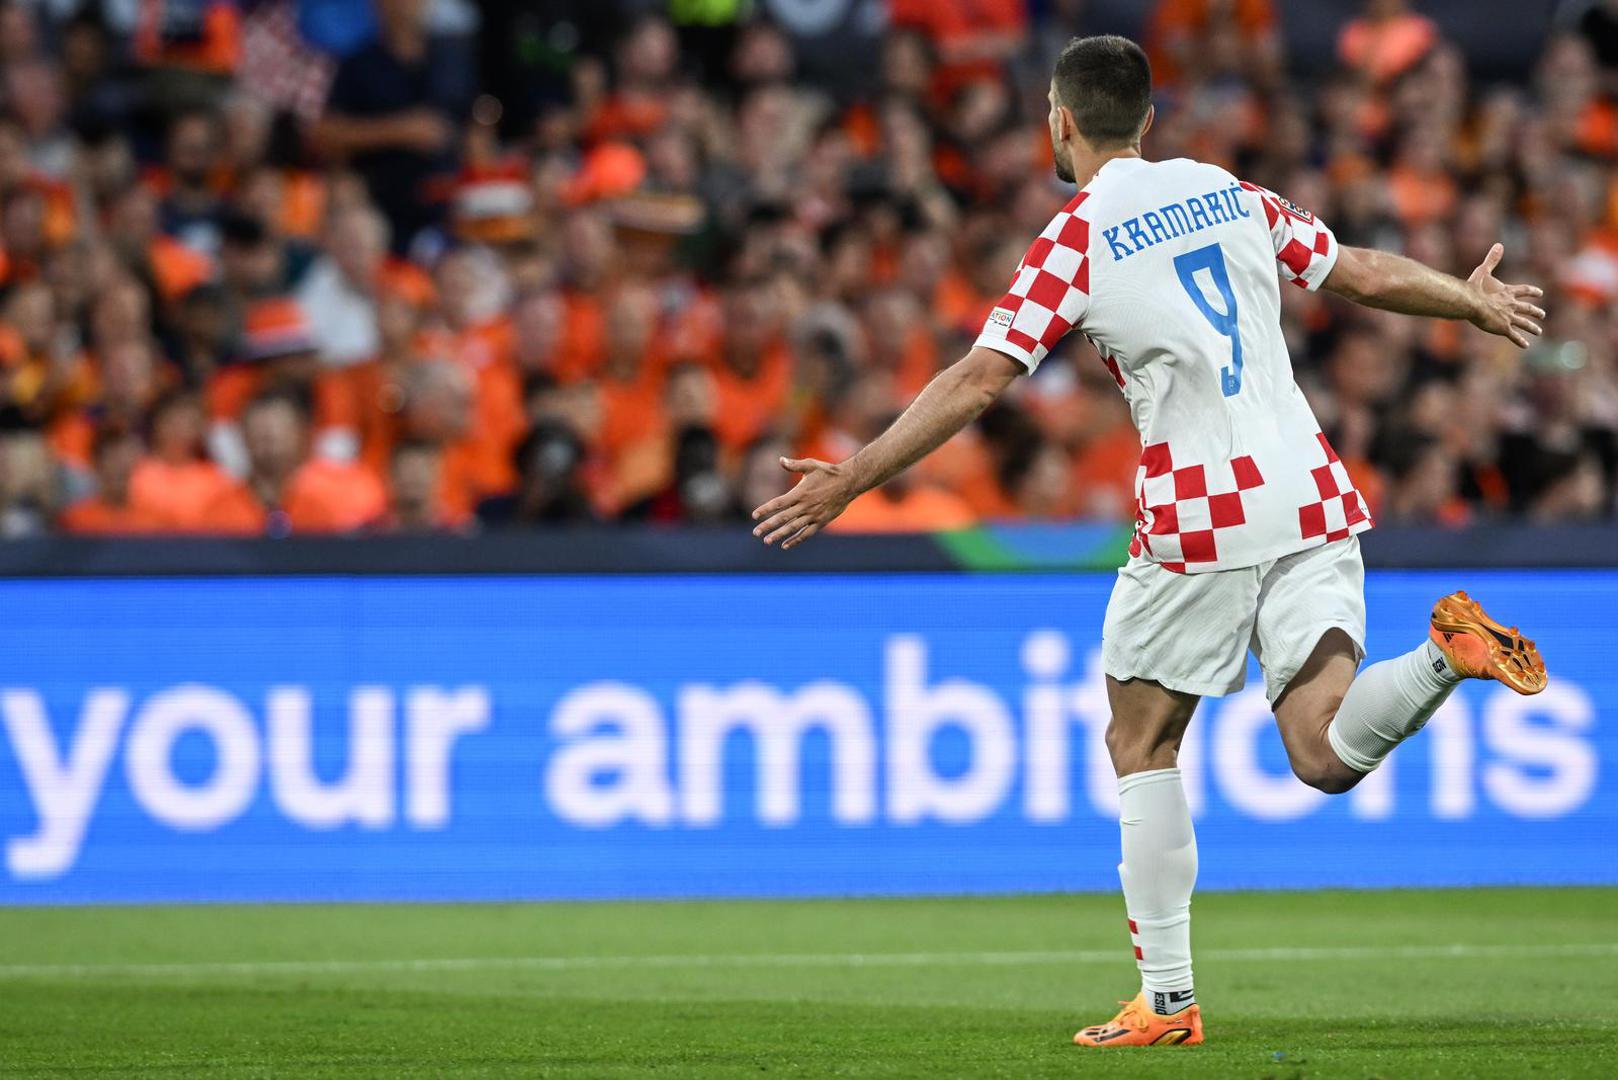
<point>277,352</point>
<point>201,37</point>
<point>1185,36</point>
<point>437,403</point>
<point>473,292</point>
<point>902,505</point>
<point>130,382</point>
<point>41,376</point>
<point>286,490</point>
<point>974,38</point>
<point>631,380</point>
<point>755,367</point>
<point>588,251</point>
<point>1387,41</point>
<point>175,484</point>
<point>110,511</point>
<point>132,226</point>
<point>645,65</point>
<point>22,233</point>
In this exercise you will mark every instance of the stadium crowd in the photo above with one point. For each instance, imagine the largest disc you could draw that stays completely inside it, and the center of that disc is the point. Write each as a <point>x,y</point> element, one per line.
<point>251,285</point>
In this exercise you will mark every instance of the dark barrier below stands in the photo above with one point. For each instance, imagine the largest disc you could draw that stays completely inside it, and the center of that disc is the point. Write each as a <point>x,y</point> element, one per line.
<point>608,550</point>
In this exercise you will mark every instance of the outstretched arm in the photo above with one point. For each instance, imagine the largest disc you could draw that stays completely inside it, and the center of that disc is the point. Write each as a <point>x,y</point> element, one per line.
<point>952,400</point>
<point>1391,282</point>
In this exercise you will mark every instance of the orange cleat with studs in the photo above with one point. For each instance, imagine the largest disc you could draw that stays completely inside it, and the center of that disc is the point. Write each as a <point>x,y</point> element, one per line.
<point>1479,648</point>
<point>1137,1025</point>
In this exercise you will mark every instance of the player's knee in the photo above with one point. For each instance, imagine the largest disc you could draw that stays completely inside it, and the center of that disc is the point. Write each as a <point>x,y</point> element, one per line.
<point>1139,744</point>
<point>1325,773</point>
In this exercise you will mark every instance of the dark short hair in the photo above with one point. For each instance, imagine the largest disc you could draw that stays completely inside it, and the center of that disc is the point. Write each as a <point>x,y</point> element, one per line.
<point>1106,83</point>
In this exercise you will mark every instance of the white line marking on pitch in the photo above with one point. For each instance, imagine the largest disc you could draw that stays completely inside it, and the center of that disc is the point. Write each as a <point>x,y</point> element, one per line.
<point>751,960</point>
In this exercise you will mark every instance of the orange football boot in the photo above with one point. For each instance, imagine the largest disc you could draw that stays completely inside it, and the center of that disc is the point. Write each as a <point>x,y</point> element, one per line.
<point>1479,648</point>
<point>1138,1025</point>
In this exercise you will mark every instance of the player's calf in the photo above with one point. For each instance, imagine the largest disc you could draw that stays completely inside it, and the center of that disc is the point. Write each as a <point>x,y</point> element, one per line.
<point>1305,710</point>
<point>1392,700</point>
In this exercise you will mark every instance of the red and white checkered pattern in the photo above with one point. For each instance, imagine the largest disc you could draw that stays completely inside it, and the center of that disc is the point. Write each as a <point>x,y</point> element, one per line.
<point>1134,938</point>
<point>1178,516</point>
<point>1303,244</point>
<point>1341,511</point>
<point>278,66</point>
<point>1229,495</point>
<point>1049,292</point>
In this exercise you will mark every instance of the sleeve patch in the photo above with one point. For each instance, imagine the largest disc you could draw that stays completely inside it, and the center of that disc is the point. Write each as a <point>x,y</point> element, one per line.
<point>1295,210</point>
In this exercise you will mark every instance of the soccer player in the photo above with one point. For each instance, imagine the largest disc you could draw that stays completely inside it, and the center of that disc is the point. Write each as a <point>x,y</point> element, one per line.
<point>1246,521</point>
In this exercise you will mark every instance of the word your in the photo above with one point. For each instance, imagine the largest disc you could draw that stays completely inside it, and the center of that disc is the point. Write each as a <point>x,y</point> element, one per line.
<point>65,779</point>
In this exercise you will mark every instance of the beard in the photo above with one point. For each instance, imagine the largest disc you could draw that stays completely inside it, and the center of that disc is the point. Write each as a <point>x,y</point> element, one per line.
<point>1064,169</point>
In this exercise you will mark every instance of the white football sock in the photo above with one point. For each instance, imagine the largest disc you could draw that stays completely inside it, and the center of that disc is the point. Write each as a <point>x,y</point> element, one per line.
<point>1158,871</point>
<point>1389,702</point>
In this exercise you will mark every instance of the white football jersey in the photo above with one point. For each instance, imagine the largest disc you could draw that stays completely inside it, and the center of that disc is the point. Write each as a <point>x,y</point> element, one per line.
<point>1171,269</point>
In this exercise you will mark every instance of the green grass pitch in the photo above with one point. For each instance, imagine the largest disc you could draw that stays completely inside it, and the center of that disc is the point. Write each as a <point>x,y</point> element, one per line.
<point>1493,983</point>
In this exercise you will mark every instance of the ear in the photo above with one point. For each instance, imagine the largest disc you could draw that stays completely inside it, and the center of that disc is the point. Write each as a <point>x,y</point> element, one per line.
<point>1066,126</point>
<point>1151,114</point>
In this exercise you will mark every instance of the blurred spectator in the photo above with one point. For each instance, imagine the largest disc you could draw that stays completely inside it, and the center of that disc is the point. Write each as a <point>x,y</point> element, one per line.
<point>192,209</point>
<point>176,485</point>
<point>413,481</point>
<point>28,484</point>
<point>285,490</point>
<point>904,505</point>
<point>261,284</point>
<point>549,489</point>
<point>110,510</point>
<point>1386,41</point>
<point>392,113</point>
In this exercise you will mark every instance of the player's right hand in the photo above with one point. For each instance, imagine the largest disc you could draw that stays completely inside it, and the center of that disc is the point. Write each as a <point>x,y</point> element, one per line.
<point>819,497</point>
<point>1504,309</point>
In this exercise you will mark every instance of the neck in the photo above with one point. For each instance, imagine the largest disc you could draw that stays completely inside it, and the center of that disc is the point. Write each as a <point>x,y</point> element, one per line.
<point>1086,163</point>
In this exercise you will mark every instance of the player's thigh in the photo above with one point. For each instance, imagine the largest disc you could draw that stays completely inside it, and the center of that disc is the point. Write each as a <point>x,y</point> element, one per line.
<point>1169,639</point>
<point>1188,633</point>
<point>1309,635</point>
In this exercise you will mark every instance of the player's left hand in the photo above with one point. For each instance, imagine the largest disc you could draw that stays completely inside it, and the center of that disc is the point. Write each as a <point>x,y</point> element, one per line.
<point>819,497</point>
<point>1504,309</point>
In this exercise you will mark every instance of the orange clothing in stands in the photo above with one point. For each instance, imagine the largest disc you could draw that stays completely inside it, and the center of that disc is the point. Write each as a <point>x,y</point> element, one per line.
<point>748,406</point>
<point>321,497</point>
<point>97,517</point>
<point>921,509</point>
<point>180,497</point>
<point>584,337</point>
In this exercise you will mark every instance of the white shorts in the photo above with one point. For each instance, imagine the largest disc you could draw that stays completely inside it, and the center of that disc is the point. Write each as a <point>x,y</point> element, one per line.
<point>1191,632</point>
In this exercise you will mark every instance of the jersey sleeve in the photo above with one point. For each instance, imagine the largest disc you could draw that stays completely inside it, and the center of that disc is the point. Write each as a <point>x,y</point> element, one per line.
<point>1049,293</point>
<point>1305,248</point>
